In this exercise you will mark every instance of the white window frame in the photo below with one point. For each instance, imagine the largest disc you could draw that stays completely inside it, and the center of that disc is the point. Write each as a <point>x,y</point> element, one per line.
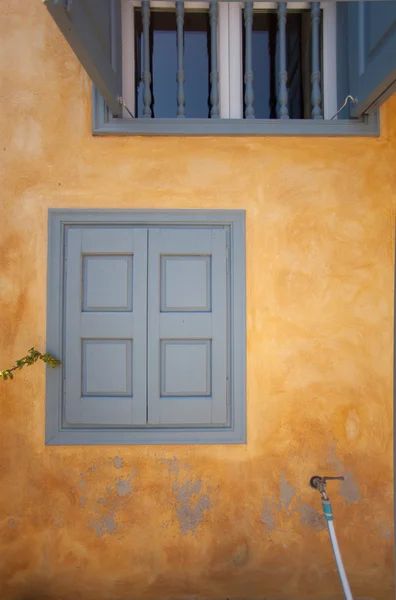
<point>230,53</point>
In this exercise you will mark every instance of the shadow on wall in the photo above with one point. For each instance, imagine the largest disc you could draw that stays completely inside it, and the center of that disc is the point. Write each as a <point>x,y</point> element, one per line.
<point>35,592</point>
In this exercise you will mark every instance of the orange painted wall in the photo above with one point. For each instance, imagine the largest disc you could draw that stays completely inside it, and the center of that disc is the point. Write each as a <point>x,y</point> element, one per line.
<point>213,522</point>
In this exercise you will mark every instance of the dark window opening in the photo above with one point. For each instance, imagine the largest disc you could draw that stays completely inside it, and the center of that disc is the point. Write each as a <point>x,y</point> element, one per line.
<point>163,67</point>
<point>265,53</point>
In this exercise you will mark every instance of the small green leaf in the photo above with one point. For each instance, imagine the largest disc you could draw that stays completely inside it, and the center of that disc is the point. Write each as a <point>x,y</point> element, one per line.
<point>32,357</point>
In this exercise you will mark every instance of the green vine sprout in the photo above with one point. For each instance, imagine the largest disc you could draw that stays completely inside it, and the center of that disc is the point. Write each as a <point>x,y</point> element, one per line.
<point>31,357</point>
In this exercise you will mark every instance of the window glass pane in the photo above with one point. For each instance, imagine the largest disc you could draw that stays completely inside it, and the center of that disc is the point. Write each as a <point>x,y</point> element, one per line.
<point>197,64</point>
<point>265,42</point>
<point>163,51</point>
<point>264,38</point>
<point>298,60</point>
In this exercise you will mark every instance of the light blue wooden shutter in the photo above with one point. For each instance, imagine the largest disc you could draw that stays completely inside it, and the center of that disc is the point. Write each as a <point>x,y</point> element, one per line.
<point>105,327</point>
<point>187,327</point>
<point>93,30</point>
<point>372,53</point>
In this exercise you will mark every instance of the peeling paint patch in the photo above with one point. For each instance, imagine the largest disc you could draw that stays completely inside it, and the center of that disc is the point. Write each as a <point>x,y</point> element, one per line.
<point>104,507</point>
<point>267,515</point>
<point>104,525</point>
<point>349,489</point>
<point>311,517</point>
<point>118,462</point>
<point>386,534</point>
<point>286,493</point>
<point>190,514</point>
<point>58,522</point>
<point>241,555</point>
<point>173,464</point>
<point>186,490</point>
<point>124,486</point>
<point>189,518</point>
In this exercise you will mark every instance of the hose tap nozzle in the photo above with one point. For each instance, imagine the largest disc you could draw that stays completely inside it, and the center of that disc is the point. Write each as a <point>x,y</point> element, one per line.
<point>319,483</point>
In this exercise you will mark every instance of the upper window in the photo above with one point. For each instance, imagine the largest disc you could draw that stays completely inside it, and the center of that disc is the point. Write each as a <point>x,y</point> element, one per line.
<point>228,60</point>
<point>146,310</point>
<point>228,67</point>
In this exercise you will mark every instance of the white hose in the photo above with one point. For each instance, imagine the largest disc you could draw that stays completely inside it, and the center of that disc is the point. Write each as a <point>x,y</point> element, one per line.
<point>338,559</point>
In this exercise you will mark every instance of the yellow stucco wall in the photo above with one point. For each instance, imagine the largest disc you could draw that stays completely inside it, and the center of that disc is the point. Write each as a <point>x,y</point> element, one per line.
<point>202,521</point>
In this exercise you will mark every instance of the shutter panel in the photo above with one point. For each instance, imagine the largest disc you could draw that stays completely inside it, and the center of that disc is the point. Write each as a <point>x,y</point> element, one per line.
<point>93,30</point>
<point>372,53</point>
<point>187,327</point>
<point>105,326</point>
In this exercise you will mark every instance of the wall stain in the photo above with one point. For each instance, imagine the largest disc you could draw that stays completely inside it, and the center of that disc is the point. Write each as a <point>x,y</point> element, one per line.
<point>240,555</point>
<point>286,494</point>
<point>58,522</point>
<point>267,515</point>
<point>311,517</point>
<point>118,462</point>
<point>386,534</point>
<point>348,489</point>
<point>352,425</point>
<point>82,485</point>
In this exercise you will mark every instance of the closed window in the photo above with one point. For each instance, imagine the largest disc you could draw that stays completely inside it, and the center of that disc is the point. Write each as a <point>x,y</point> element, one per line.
<point>150,329</point>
